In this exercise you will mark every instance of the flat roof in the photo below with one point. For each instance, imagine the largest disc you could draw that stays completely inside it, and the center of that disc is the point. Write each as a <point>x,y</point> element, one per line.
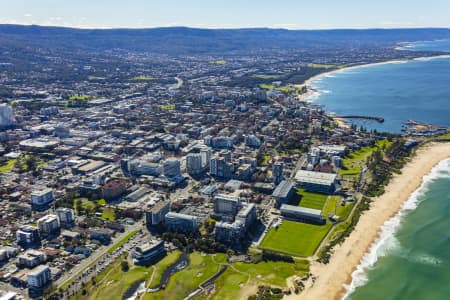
<point>299,209</point>
<point>283,189</point>
<point>315,177</point>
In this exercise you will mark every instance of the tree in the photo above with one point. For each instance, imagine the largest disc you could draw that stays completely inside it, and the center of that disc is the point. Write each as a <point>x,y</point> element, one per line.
<point>125,266</point>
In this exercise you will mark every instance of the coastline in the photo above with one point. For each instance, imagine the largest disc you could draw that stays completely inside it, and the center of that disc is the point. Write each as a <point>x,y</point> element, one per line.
<point>331,278</point>
<point>311,91</point>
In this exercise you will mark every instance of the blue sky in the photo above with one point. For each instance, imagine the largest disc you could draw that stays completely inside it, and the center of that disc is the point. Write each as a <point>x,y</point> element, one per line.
<point>292,14</point>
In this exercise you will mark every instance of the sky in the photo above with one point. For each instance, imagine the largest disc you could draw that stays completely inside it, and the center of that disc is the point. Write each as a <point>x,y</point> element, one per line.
<point>291,14</point>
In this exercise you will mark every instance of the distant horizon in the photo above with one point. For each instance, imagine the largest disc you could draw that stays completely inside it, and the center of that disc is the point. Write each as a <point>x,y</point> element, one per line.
<point>220,14</point>
<point>223,28</point>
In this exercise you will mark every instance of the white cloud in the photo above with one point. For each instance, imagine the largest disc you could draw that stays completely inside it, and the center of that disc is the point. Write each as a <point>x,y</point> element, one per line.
<point>28,15</point>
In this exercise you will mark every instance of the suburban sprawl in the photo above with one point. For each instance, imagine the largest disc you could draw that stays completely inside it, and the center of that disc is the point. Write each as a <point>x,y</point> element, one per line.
<point>144,174</point>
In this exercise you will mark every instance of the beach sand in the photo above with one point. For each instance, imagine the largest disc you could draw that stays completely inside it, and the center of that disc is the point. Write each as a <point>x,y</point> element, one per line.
<point>330,278</point>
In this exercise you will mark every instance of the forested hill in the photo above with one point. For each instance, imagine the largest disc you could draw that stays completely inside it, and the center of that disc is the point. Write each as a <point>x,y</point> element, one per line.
<point>187,41</point>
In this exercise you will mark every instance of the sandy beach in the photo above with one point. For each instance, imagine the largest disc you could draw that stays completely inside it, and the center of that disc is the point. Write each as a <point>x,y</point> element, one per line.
<point>330,278</point>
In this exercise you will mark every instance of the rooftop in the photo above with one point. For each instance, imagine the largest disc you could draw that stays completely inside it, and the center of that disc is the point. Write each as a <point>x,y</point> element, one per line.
<point>315,177</point>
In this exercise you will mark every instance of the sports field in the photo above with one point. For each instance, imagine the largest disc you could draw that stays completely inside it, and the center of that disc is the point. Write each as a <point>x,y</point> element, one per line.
<point>295,238</point>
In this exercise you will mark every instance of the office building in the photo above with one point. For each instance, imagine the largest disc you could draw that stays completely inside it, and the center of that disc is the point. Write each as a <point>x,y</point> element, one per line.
<point>194,163</point>
<point>157,213</point>
<point>180,222</point>
<point>277,172</point>
<point>247,215</point>
<point>172,168</point>
<point>226,205</point>
<point>148,253</point>
<point>221,168</point>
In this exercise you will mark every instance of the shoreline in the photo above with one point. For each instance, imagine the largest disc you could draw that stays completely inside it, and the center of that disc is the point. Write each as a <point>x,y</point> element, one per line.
<point>332,278</point>
<point>311,91</point>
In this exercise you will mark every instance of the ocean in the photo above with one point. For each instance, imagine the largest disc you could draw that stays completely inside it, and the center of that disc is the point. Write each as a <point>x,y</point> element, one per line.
<point>411,258</point>
<point>397,91</point>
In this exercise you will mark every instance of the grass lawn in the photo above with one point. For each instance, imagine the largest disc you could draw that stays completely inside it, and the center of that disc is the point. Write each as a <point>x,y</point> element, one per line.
<point>186,281</point>
<point>8,166</point>
<point>167,107</point>
<point>321,66</point>
<point>333,207</point>
<point>85,203</point>
<point>295,238</point>
<point>309,200</point>
<point>444,136</point>
<point>113,282</point>
<point>241,276</point>
<point>81,97</point>
<point>352,163</point>
<point>142,78</point>
<point>161,266</point>
<point>108,214</point>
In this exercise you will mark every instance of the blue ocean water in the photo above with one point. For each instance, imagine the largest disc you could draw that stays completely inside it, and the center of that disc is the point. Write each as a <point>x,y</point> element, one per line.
<point>411,259</point>
<point>397,91</point>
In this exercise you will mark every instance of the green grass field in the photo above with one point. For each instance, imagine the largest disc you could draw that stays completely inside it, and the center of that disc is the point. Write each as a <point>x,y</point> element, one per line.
<point>108,214</point>
<point>161,266</point>
<point>241,276</point>
<point>8,166</point>
<point>352,163</point>
<point>186,281</point>
<point>321,66</point>
<point>167,107</point>
<point>114,282</point>
<point>311,200</point>
<point>295,238</point>
<point>333,206</point>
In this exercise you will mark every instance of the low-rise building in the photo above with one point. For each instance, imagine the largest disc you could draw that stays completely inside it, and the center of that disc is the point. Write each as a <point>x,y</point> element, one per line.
<point>302,214</point>
<point>31,258</point>
<point>316,181</point>
<point>283,192</point>
<point>114,189</point>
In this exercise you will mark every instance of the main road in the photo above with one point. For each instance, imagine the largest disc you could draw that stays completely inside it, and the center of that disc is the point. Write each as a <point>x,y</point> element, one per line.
<point>102,251</point>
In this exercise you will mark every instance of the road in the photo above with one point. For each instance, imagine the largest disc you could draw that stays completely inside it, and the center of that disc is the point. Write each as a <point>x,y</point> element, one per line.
<point>177,85</point>
<point>91,260</point>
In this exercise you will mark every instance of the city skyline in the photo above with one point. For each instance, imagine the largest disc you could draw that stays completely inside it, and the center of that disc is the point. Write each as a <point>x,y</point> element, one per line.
<point>322,14</point>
